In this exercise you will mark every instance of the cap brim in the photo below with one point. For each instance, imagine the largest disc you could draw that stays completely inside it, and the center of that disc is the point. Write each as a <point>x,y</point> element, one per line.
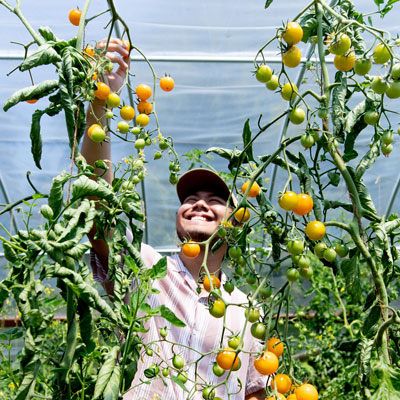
<point>202,178</point>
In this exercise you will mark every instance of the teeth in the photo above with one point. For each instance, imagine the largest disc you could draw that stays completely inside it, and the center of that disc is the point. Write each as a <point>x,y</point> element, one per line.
<point>198,218</point>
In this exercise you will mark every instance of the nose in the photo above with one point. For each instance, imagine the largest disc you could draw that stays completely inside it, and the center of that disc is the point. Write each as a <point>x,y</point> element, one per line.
<point>200,204</point>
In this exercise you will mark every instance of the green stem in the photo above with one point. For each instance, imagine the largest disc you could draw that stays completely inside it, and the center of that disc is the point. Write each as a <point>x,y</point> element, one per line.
<point>82,23</point>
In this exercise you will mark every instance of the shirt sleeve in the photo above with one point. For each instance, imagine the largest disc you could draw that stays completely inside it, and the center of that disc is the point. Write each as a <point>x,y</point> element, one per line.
<point>100,273</point>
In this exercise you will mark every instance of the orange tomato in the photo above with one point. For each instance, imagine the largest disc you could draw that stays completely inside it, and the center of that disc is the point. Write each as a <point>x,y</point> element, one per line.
<point>315,230</point>
<point>292,57</point>
<point>304,204</point>
<point>288,201</point>
<point>275,346</point>
<point>89,51</point>
<point>306,392</point>
<point>102,91</point>
<point>267,364</point>
<point>128,46</point>
<point>127,113</point>
<point>226,359</point>
<point>215,281</point>
<point>254,190</point>
<point>33,101</point>
<point>144,107</point>
<point>242,215</point>
<point>143,92</point>
<point>280,397</point>
<point>191,249</point>
<point>167,83</point>
<point>74,16</point>
<point>345,63</point>
<point>291,397</point>
<point>282,382</point>
<point>91,128</point>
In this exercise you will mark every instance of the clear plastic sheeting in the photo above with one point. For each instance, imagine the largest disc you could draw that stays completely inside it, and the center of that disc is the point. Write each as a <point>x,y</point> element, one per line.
<point>207,46</point>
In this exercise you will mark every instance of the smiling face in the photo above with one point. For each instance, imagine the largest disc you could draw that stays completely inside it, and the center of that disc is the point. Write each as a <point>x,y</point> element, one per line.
<point>200,215</point>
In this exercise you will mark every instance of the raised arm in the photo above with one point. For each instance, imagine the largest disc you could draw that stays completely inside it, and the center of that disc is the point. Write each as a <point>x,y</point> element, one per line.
<point>117,53</point>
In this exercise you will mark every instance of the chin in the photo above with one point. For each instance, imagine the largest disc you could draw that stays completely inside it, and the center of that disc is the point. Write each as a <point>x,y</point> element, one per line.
<point>196,236</point>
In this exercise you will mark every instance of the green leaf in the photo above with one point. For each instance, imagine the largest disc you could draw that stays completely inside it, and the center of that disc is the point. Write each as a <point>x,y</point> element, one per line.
<point>168,315</point>
<point>246,135</point>
<point>9,253</point>
<point>334,178</point>
<point>105,373</point>
<point>179,383</point>
<point>159,270</point>
<point>56,192</point>
<point>44,55</point>
<point>47,34</point>
<point>111,392</point>
<point>368,160</point>
<point>371,322</point>
<point>84,187</point>
<point>351,271</point>
<point>309,25</point>
<point>31,92</point>
<point>29,374</point>
<point>339,104</point>
<point>36,138</point>
<point>86,325</point>
<point>354,124</point>
<point>268,3</point>
<point>79,250</point>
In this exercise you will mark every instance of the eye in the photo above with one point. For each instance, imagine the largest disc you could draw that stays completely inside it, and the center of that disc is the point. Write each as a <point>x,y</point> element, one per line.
<point>216,200</point>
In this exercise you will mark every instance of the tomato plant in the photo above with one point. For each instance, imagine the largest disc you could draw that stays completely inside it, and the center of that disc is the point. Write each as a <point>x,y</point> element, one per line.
<point>102,91</point>
<point>263,73</point>
<point>144,107</point>
<point>304,204</point>
<point>254,189</point>
<point>275,346</point>
<point>288,201</point>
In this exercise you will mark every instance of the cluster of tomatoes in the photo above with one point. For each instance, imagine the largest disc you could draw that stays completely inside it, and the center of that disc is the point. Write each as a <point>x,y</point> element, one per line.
<point>345,60</point>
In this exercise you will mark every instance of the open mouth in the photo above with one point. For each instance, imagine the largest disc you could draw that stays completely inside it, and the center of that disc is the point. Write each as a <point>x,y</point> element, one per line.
<point>199,218</point>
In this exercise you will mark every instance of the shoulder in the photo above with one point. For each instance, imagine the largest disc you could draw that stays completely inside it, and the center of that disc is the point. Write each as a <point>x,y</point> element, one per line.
<point>149,255</point>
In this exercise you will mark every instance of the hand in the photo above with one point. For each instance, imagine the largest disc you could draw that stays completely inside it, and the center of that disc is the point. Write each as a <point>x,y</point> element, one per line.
<point>115,79</point>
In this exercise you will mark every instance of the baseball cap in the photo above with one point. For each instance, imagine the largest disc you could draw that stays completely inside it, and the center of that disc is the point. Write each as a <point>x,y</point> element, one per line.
<point>201,178</point>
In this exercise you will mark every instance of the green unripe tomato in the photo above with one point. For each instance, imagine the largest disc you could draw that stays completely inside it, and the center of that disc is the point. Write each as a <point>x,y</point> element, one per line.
<point>208,393</point>
<point>341,250</point>
<point>217,370</point>
<point>109,114</point>
<point>229,287</point>
<point>136,130</point>
<point>182,376</point>
<point>164,332</point>
<point>393,90</point>
<point>292,275</point>
<point>251,279</point>
<point>387,137</point>
<point>235,252</point>
<point>264,73</point>
<point>47,211</point>
<point>304,262</point>
<point>163,144</point>
<point>371,117</point>
<point>273,83</point>
<point>149,351</point>
<point>254,314</point>
<point>319,249</point>
<point>266,292</point>
<point>258,330</point>
<point>307,140</point>
<point>396,71</point>
<point>297,116</point>
<point>306,273</point>
<point>329,254</point>
<point>386,149</point>
<point>157,155</point>
<point>177,361</point>
<point>295,247</point>
<point>234,342</point>
<point>123,127</point>
<point>379,85</point>
<point>362,66</point>
<point>173,178</point>
<point>165,372</point>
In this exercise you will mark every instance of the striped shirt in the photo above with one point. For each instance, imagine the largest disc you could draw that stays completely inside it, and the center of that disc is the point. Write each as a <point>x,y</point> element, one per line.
<point>201,335</point>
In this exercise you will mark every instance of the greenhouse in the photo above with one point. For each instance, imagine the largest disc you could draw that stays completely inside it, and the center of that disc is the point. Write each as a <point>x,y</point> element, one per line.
<point>199,200</point>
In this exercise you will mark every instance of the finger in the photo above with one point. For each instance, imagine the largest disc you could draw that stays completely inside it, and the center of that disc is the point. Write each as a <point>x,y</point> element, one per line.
<point>116,45</point>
